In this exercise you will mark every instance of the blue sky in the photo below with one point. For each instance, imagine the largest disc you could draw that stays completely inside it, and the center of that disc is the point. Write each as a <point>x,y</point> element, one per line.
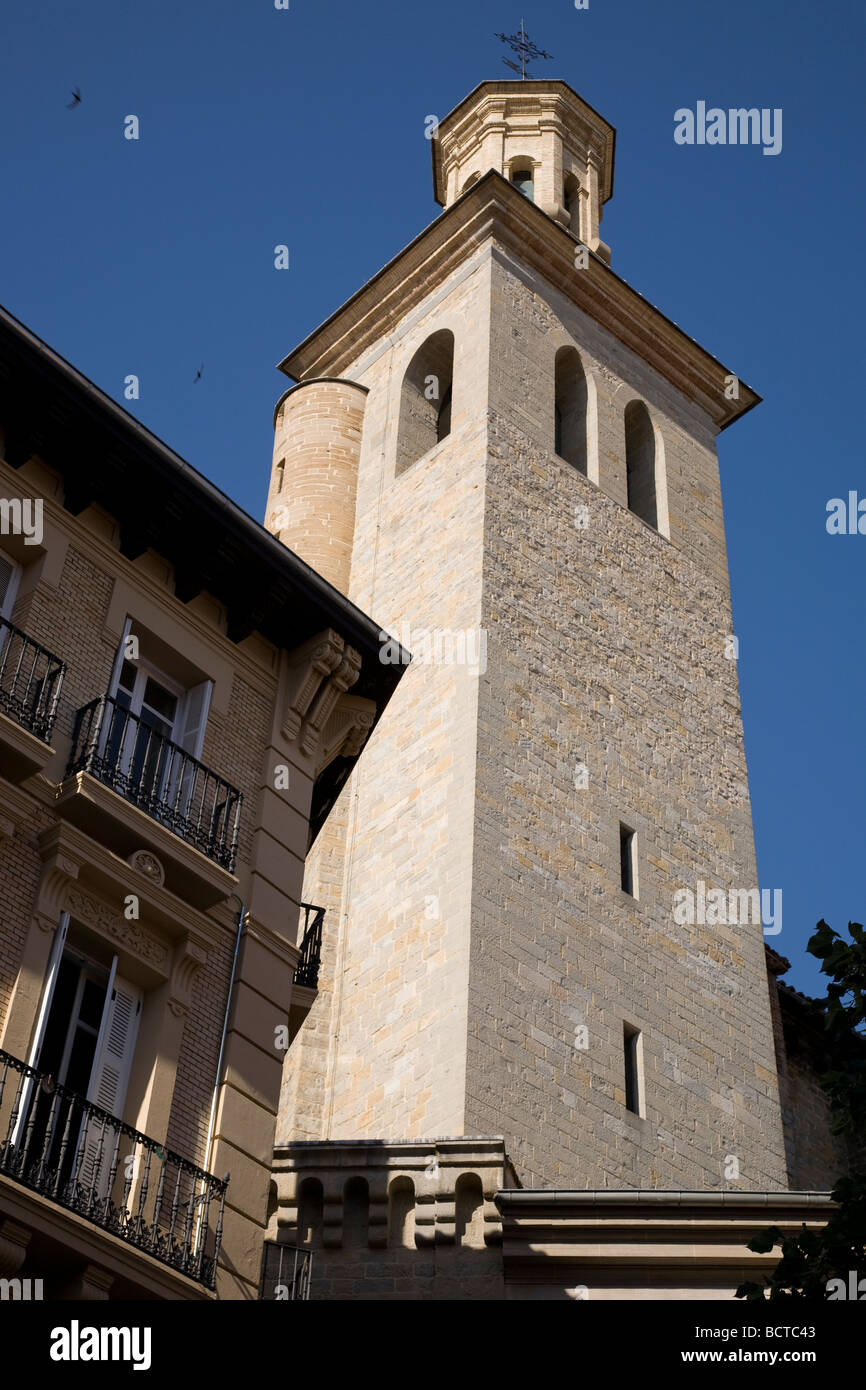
<point>306,127</point>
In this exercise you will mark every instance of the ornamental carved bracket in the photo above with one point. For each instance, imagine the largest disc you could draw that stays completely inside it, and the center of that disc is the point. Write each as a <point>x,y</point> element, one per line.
<point>346,731</point>
<point>189,958</point>
<point>319,674</point>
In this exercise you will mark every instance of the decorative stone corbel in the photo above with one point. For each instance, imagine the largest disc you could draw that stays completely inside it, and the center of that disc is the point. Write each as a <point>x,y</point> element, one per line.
<point>319,675</point>
<point>59,874</point>
<point>343,678</point>
<point>309,666</point>
<point>346,731</point>
<point>189,958</point>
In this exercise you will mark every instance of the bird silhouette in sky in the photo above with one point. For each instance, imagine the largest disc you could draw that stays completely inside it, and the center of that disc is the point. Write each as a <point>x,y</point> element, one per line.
<point>76,98</point>
<point>198,373</point>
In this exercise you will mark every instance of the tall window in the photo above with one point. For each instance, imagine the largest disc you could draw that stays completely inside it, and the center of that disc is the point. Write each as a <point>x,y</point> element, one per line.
<point>633,1051</point>
<point>155,717</point>
<point>310,1209</point>
<point>627,867</point>
<point>425,399</point>
<point>401,1214</point>
<point>85,1040</point>
<point>570,408</point>
<point>523,179</point>
<point>356,1213</point>
<point>571,202</point>
<point>640,462</point>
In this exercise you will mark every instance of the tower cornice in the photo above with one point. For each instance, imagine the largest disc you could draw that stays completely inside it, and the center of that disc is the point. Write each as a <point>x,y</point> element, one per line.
<point>493,211</point>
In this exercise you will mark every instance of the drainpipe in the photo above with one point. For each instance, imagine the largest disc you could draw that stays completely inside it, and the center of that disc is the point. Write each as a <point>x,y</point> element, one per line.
<point>242,917</point>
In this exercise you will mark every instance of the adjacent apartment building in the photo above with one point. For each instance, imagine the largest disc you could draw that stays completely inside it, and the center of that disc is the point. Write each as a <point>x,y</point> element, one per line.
<point>181,700</point>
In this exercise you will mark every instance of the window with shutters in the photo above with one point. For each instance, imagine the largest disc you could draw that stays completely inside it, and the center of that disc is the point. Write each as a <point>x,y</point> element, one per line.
<point>165,706</point>
<point>85,1041</point>
<point>144,737</point>
<point>90,1029</point>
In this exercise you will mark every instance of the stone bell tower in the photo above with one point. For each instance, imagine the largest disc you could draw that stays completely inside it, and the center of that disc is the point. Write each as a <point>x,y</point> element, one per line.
<point>508,455</point>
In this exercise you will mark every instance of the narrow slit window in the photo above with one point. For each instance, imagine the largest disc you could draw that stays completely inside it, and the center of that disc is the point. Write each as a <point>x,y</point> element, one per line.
<point>278,475</point>
<point>626,860</point>
<point>632,1050</point>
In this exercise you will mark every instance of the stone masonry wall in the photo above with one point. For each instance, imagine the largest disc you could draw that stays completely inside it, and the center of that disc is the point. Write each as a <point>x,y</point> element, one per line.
<point>607,649</point>
<point>383,1051</point>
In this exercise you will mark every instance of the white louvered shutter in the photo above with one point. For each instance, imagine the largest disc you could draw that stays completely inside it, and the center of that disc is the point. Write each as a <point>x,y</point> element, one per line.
<point>51,974</point>
<point>111,1068</point>
<point>190,736</point>
<point>196,707</point>
<point>108,1082</point>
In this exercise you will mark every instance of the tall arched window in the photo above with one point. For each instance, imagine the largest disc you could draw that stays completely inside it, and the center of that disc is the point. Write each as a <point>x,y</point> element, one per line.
<point>356,1213</point>
<point>310,1206</point>
<point>640,462</point>
<point>425,399</point>
<point>401,1214</point>
<point>570,408</point>
<point>523,179</point>
<point>571,202</point>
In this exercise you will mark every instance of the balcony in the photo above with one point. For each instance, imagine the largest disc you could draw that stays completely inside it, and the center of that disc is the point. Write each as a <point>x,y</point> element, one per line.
<point>307,969</point>
<point>129,785</point>
<point>30,682</point>
<point>82,1159</point>
<point>286,1273</point>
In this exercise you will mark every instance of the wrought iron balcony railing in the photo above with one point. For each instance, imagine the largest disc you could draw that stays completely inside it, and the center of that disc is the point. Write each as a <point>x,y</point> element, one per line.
<point>60,1145</point>
<point>30,681</point>
<point>128,754</point>
<point>286,1272</point>
<point>307,969</point>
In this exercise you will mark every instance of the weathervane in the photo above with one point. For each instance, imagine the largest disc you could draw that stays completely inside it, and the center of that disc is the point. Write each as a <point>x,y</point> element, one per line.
<point>521,43</point>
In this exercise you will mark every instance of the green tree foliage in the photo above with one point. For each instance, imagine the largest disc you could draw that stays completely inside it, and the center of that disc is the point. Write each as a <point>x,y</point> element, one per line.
<point>810,1259</point>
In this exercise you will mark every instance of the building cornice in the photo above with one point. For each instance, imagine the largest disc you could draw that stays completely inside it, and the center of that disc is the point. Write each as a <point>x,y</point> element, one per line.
<point>50,410</point>
<point>534,1201</point>
<point>493,212</point>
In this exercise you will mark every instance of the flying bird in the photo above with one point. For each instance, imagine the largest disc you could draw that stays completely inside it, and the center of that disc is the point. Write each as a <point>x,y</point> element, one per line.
<point>76,98</point>
<point>198,373</point>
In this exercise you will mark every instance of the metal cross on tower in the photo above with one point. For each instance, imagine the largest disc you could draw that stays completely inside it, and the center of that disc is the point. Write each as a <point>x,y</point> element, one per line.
<point>522,44</point>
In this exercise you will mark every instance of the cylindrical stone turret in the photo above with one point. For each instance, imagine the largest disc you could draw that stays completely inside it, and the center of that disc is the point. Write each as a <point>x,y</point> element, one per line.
<point>311,501</point>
